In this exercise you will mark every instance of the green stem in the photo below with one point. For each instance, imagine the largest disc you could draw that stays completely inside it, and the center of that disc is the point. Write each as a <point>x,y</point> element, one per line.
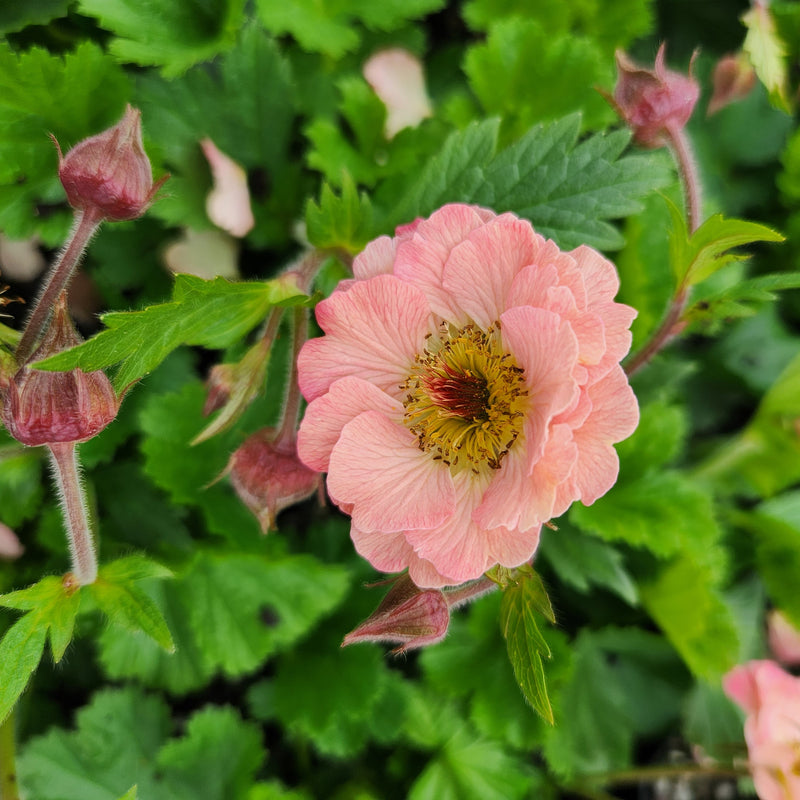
<point>66,471</point>
<point>9,789</point>
<point>84,227</point>
<point>650,774</point>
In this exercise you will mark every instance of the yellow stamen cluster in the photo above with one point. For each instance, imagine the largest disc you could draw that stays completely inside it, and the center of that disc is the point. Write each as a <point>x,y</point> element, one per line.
<point>465,398</point>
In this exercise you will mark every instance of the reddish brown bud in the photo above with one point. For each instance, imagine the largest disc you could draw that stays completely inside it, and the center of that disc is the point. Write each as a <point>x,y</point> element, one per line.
<point>110,173</point>
<point>734,78</point>
<point>46,407</point>
<point>654,103</point>
<point>268,476</point>
<point>408,615</point>
<point>219,385</point>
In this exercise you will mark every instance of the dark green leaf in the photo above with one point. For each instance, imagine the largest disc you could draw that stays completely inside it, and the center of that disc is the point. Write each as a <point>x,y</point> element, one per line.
<point>172,34</point>
<point>208,313</point>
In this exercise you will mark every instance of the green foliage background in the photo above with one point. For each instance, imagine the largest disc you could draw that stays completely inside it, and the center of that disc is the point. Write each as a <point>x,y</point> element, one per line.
<point>658,588</point>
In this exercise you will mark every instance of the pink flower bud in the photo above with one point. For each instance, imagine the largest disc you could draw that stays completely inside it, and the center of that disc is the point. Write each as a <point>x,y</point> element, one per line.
<point>109,173</point>
<point>654,103</point>
<point>734,78</point>
<point>268,476</point>
<point>784,639</point>
<point>408,615</point>
<point>46,407</point>
<point>219,385</point>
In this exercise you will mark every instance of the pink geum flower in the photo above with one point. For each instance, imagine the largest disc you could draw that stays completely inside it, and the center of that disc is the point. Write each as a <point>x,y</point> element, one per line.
<point>466,390</point>
<point>784,639</point>
<point>771,699</point>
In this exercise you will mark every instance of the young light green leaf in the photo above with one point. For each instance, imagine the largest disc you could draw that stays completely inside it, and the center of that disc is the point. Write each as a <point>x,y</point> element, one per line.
<point>767,53</point>
<point>525,643</point>
<point>340,222</point>
<point>20,653</point>
<point>127,605</point>
<point>131,794</point>
<point>696,258</point>
<point>62,615</point>
<point>212,314</point>
<point>684,601</point>
<point>133,568</point>
<point>170,34</point>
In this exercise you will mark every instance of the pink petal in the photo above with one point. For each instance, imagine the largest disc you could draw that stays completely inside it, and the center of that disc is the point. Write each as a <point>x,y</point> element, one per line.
<point>547,350</point>
<point>327,415</point>
<point>377,468</point>
<point>513,547</point>
<point>522,495</point>
<point>374,329</point>
<point>10,546</point>
<point>377,258</point>
<point>457,546</point>
<point>422,257</point>
<point>396,77</point>
<point>599,275</point>
<point>784,638</point>
<point>203,253</point>
<point>480,271</point>
<point>228,203</point>
<point>614,417</point>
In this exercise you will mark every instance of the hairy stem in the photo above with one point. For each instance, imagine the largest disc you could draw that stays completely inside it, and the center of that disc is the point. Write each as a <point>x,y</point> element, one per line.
<point>66,471</point>
<point>8,770</point>
<point>84,227</point>
<point>291,408</point>
<point>681,150</point>
<point>468,592</point>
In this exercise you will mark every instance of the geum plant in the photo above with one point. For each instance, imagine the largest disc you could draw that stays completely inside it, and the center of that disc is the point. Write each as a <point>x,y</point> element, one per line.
<point>469,386</point>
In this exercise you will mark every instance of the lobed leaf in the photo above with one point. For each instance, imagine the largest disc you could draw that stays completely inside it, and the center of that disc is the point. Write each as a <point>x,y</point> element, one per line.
<point>341,222</point>
<point>213,313</point>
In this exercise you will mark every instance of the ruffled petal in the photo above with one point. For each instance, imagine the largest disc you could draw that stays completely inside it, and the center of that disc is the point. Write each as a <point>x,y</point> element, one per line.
<point>547,350</point>
<point>377,468</point>
<point>457,547</point>
<point>421,258</point>
<point>522,495</point>
<point>374,329</point>
<point>480,271</point>
<point>377,258</point>
<point>327,415</point>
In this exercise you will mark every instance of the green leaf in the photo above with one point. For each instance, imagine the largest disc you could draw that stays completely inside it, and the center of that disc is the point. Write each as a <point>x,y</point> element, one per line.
<point>127,605</point>
<point>20,653</point>
<point>566,189</point>
<point>326,26</point>
<point>15,17</point>
<point>527,73</point>
<point>227,614</point>
<point>594,733</point>
<point>134,568</point>
<point>711,720</point>
<point>684,601</point>
<point>585,563</point>
<point>20,484</point>
<point>340,222</point>
<point>470,769</point>
<point>696,258</point>
<point>767,52</point>
<point>189,772</point>
<point>171,34</point>
<point>743,299</point>
<point>213,314</point>
<point>454,174</point>
<point>121,739</point>
<point>131,794</point>
<point>526,645</point>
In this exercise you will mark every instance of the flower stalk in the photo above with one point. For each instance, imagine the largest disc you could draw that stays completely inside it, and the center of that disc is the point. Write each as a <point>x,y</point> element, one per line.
<point>66,471</point>
<point>85,226</point>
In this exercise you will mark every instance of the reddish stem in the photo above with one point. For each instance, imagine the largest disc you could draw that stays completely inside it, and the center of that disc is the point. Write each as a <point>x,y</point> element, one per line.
<point>66,471</point>
<point>84,227</point>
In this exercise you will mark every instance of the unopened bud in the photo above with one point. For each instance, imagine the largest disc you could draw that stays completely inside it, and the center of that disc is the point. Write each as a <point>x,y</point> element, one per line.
<point>734,78</point>
<point>46,407</point>
<point>109,173</point>
<point>408,616</point>
<point>268,476</point>
<point>219,385</point>
<point>654,103</point>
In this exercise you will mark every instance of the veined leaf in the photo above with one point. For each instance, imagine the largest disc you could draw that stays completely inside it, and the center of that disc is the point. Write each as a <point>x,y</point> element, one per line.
<point>767,52</point>
<point>208,313</point>
<point>20,653</point>
<point>340,222</point>
<point>525,643</point>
